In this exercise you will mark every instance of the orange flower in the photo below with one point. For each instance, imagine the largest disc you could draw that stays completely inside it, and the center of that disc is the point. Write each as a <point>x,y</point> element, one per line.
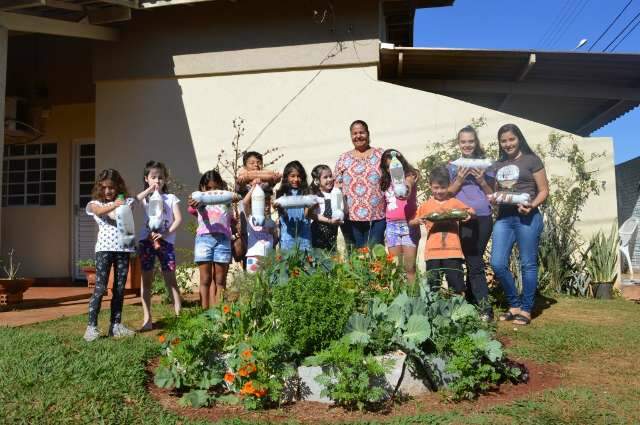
<point>261,392</point>
<point>295,272</point>
<point>248,389</point>
<point>175,341</point>
<point>376,267</point>
<point>251,368</point>
<point>243,372</point>
<point>237,314</point>
<point>363,250</point>
<point>246,354</point>
<point>229,377</point>
<point>226,309</point>
<point>390,257</point>
<point>162,338</point>
<point>278,257</point>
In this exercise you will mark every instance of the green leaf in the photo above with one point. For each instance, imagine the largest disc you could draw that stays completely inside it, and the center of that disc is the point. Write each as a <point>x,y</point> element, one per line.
<point>358,329</point>
<point>228,399</point>
<point>463,311</point>
<point>378,309</point>
<point>418,329</point>
<point>195,398</point>
<point>164,378</point>
<point>493,351</point>
<point>379,251</point>
<point>398,310</point>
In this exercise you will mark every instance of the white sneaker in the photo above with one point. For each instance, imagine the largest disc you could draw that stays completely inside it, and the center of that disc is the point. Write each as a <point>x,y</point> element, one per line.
<point>118,330</point>
<point>91,334</point>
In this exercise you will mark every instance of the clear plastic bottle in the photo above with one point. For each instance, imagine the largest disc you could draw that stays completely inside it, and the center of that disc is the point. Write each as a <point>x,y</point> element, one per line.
<point>257,205</point>
<point>397,176</point>
<point>337,204</point>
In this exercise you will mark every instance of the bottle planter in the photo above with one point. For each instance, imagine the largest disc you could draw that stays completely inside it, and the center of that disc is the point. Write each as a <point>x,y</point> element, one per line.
<point>12,290</point>
<point>602,290</point>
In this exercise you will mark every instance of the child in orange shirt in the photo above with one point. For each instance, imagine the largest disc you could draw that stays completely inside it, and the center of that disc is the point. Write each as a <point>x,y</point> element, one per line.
<point>443,251</point>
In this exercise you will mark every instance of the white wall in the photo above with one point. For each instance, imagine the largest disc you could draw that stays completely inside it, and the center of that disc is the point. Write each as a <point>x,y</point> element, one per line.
<point>186,122</point>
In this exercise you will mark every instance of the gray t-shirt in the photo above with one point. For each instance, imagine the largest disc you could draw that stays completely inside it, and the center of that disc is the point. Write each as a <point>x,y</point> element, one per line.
<point>520,172</point>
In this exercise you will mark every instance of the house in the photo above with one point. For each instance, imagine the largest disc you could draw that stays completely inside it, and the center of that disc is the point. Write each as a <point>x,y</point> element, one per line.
<point>628,195</point>
<point>114,83</point>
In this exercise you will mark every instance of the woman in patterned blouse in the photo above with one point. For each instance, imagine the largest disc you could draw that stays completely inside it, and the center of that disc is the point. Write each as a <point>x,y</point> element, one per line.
<point>357,174</point>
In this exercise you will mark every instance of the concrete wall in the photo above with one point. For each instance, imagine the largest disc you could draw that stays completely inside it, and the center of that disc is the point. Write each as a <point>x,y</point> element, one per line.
<point>186,122</point>
<point>245,36</point>
<point>628,190</point>
<point>41,235</point>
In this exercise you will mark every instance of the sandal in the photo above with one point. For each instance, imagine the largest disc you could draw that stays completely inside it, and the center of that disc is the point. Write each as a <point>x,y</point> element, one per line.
<point>521,319</point>
<point>507,317</point>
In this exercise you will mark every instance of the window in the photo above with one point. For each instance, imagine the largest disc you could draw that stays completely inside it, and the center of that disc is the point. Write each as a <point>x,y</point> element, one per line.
<point>29,174</point>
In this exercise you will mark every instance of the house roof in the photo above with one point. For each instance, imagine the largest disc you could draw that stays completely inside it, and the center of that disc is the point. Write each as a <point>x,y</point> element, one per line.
<point>573,91</point>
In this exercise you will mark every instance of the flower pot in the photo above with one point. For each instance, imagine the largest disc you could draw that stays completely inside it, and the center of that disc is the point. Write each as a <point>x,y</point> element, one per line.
<point>90,274</point>
<point>602,290</point>
<point>12,290</point>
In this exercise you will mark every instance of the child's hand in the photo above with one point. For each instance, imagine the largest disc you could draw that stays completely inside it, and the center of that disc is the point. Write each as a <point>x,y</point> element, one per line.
<point>477,174</point>
<point>335,221</point>
<point>118,202</point>
<point>256,182</point>
<point>156,236</point>
<point>193,203</point>
<point>462,173</point>
<point>524,209</point>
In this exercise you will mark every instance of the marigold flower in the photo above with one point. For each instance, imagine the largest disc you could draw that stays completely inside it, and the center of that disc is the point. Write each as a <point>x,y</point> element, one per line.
<point>390,257</point>
<point>363,250</point>
<point>261,392</point>
<point>376,267</point>
<point>162,338</point>
<point>295,272</point>
<point>248,389</point>
<point>237,314</point>
<point>229,377</point>
<point>246,354</point>
<point>309,258</point>
<point>278,257</point>
<point>243,372</point>
<point>251,368</point>
<point>175,341</point>
<point>226,309</point>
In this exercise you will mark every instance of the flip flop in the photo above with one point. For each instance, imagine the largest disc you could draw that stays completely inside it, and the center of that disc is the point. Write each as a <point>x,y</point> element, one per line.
<point>521,319</point>
<point>507,317</point>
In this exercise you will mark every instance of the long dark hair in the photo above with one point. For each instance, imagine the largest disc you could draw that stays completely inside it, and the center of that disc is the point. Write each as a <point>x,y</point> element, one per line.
<point>385,180</point>
<point>522,142</point>
<point>316,173</point>
<point>478,152</point>
<point>115,177</point>
<point>212,176</point>
<point>285,188</point>
<point>160,166</point>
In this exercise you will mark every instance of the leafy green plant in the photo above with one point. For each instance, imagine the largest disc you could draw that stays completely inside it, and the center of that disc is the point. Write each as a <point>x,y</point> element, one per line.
<point>602,259</point>
<point>89,262</point>
<point>349,375</point>
<point>311,310</point>
<point>476,364</point>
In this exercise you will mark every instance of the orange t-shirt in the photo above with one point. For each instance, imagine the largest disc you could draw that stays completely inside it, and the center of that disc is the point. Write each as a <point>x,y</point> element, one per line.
<point>443,238</point>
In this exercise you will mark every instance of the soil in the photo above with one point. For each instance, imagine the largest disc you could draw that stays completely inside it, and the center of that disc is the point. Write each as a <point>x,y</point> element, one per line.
<point>541,377</point>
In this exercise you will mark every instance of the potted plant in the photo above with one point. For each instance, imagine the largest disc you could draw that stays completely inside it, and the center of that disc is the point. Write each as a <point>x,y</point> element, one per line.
<point>89,269</point>
<point>602,262</point>
<point>12,288</point>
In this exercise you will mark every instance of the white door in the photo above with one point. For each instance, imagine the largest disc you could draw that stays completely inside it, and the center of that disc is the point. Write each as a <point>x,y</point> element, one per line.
<point>85,228</point>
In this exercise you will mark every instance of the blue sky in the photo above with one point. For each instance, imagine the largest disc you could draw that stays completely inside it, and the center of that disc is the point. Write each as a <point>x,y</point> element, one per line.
<point>540,25</point>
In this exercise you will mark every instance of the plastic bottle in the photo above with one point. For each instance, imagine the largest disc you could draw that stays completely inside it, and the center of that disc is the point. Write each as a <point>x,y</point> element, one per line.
<point>337,204</point>
<point>215,197</point>
<point>125,225</point>
<point>156,209</point>
<point>257,205</point>
<point>397,176</point>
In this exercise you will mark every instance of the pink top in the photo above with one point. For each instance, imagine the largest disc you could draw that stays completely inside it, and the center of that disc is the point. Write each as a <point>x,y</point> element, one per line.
<point>213,219</point>
<point>359,180</point>
<point>401,209</point>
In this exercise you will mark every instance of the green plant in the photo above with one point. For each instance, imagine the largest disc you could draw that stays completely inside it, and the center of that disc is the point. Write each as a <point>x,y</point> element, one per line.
<point>90,262</point>
<point>349,375</point>
<point>602,256</point>
<point>476,363</point>
<point>311,310</point>
<point>10,269</point>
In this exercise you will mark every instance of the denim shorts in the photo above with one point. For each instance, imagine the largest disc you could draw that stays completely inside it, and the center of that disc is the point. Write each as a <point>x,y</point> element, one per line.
<point>399,233</point>
<point>212,248</point>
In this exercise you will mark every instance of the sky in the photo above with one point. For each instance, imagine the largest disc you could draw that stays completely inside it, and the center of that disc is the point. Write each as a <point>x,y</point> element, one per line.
<point>557,25</point>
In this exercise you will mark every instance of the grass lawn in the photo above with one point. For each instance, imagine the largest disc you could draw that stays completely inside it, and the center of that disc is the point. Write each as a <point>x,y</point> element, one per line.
<point>48,374</point>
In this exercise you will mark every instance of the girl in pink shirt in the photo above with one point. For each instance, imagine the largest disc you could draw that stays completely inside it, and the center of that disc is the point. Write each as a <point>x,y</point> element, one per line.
<point>400,238</point>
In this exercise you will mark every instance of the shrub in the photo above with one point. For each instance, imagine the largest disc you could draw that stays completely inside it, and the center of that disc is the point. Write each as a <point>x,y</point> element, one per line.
<point>312,311</point>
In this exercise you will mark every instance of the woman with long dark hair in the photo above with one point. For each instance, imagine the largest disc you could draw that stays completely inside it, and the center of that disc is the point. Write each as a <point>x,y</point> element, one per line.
<point>357,174</point>
<point>518,170</point>
<point>471,186</point>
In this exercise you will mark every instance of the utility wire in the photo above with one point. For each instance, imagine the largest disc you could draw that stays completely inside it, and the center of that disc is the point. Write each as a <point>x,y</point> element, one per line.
<point>564,29</point>
<point>610,25</point>
<point>625,36</point>
<point>621,32</point>
<point>553,26</point>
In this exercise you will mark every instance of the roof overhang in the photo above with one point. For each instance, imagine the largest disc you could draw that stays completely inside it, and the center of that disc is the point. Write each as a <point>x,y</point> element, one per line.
<point>575,92</point>
<point>399,16</point>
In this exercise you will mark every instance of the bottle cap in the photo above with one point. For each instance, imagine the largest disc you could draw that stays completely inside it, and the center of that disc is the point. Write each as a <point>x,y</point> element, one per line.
<point>121,196</point>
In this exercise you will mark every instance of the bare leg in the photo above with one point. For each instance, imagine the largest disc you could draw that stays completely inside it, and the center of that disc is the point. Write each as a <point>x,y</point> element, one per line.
<point>206,270</point>
<point>409,260</point>
<point>220,280</point>
<point>145,294</point>
<point>172,288</point>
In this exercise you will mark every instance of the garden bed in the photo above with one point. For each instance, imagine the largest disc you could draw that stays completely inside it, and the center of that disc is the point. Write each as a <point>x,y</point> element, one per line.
<point>541,377</point>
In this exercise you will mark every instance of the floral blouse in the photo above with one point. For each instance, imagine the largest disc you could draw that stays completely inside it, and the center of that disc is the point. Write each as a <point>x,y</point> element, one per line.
<point>359,180</point>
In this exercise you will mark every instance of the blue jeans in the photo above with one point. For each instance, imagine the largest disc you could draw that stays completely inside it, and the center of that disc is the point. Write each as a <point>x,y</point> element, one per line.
<point>358,234</point>
<point>525,231</point>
